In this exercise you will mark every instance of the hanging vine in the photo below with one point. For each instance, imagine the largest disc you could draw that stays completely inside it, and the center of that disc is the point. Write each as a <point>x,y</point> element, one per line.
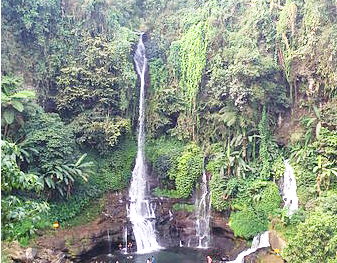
<point>286,22</point>
<point>191,50</point>
<point>193,60</point>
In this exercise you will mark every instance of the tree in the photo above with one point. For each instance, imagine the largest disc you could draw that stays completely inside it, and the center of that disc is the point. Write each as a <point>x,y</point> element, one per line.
<point>12,103</point>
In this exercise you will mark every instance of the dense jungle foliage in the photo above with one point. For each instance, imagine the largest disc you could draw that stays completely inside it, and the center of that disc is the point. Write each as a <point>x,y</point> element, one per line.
<point>235,87</point>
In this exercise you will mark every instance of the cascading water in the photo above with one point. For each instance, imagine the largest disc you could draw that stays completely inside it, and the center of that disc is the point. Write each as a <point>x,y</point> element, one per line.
<point>259,241</point>
<point>203,213</point>
<point>125,240</point>
<point>109,242</point>
<point>141,211</point>
<point>171,215</point>
<point>289,194</point>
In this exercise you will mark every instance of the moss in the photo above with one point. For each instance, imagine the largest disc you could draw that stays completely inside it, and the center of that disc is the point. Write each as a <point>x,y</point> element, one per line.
<point>185,207</point>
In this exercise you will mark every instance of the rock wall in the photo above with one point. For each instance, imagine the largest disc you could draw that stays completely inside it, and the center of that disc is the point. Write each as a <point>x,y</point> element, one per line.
<point>106,232</point>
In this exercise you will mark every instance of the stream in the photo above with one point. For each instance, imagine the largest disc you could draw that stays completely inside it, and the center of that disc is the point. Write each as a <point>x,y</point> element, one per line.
<point>171,255</point>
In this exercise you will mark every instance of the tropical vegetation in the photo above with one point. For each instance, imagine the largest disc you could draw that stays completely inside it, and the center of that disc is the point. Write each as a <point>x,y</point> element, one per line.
<point>235,87</point>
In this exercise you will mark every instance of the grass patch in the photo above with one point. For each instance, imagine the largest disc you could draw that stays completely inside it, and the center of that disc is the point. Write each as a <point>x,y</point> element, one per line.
<point>170,193</point>
<point>88,214</point>
<point>283,230</point>
<point>185,207</point>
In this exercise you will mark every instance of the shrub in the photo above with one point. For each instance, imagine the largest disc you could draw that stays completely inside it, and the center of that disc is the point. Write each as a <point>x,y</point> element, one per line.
<point>248,223</point>
<point>163,154</point>
<point>170,193</point>
<point>189,169</point>
<point>253,218</point>
<point>185,207</point>
<point>278,168</point>
<point>112,173</point>
<point>218,187</point>
<point>21,218</point>
<point>315,241</point>
<point>270,200</point>
<point>304,177</point>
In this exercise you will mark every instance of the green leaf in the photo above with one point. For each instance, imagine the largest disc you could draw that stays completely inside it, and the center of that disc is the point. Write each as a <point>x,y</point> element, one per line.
<point>316,112</point>
<point>334,171</point>
<point>9,116</point>
<point>81,159</point>
<point>4,97</point>
<point>318,129</point>
<point>17,105</point>
<point>49,182</point>
<point>25,94</point>
<point>60,190</point>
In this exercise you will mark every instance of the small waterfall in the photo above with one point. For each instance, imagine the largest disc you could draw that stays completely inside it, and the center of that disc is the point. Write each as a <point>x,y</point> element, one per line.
<point>141,211</point>
<point>289,194</point>
<point>109,244</point>
<point>259,241</point>
<point>171,215</point>
<point>203,213</point>
<point>125,240</point>
<point>181,244</point>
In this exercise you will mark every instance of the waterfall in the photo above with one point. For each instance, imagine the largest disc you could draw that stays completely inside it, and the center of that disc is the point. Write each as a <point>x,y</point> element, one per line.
<point>171,215</point>
<point>109,244</point>
<point>203,213</point>
<point>289,194</point>
<point>259,241</point>
<point>125,240</point>
<point>141,211</point>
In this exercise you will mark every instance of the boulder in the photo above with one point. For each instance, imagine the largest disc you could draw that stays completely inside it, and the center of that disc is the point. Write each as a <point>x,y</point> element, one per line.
<point>31,253</point>
<point>263,255</point>
<point>16,252</point>
<point>276,242</point>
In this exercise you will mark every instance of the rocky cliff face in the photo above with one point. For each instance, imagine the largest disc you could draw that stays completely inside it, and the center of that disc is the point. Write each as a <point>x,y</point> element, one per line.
<point>173,228</point>
<point>106,232</point>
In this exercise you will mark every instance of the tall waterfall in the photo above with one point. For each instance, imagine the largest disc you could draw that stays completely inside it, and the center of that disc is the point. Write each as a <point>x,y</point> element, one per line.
<point>203,213</point>
<point>289,194</point>
<point>141,211</point>
<point>259,241</point>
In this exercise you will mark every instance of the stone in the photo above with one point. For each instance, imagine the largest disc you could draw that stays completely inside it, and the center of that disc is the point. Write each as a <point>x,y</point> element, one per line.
<point>276,242</point>
<point>31,253</point>
<point>171,230</point>
<point>263,255</point>
<point>16,252</point>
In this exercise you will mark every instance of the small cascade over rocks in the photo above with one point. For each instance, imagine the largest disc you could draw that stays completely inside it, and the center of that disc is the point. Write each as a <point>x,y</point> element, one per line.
<point>259,241</point>
<point>109,244</point>
<point>141,210</point>
<point>125,240</point>
<point>203,213</point>
<point>289,194</point>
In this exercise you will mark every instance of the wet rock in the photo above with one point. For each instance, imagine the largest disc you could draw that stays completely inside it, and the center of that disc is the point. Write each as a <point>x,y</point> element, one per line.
<point>31,253</point>
<point>16,252</point>
<point>263,255</point>
<point>172,228</point>
<point>276,242</point>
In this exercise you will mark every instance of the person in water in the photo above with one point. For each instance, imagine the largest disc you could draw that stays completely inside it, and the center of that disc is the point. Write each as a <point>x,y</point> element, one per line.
<point>148,260</point>
<point>152,259</point>
<point>129,246</point>
<point>209,259</point>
